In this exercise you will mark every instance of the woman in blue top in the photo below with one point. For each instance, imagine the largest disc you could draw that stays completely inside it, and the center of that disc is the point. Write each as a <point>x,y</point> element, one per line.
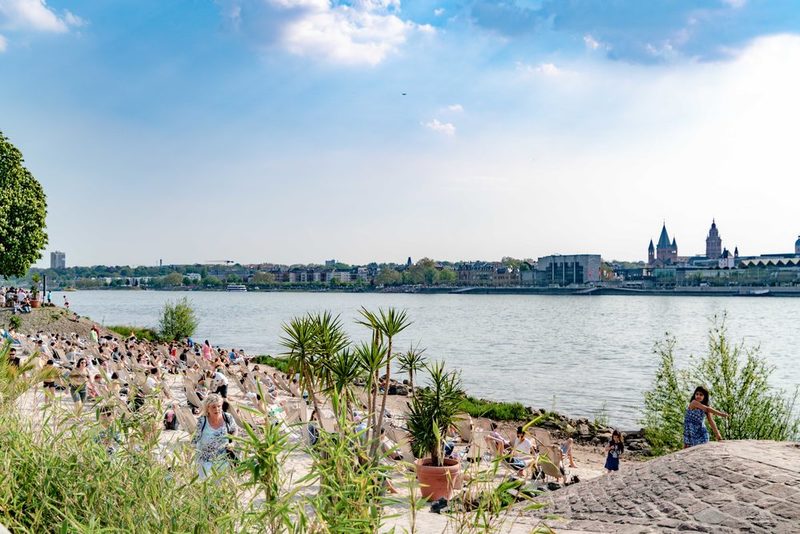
<point>694,429</point>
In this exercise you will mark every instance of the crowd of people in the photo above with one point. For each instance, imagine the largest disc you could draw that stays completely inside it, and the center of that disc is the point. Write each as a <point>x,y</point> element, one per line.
<point>19,299</point>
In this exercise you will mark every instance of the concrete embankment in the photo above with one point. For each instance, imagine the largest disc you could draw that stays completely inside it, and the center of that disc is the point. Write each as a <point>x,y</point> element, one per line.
<point>725,487</point>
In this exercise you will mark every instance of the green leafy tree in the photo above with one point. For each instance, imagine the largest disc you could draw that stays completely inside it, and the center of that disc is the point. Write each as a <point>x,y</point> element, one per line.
<point>263,278</point>
<point>737,378</point>
<point>173,279</point>
<point>178,320</point>
<point>389,277</point>
<point>23,209</point>
<point>448,276</point>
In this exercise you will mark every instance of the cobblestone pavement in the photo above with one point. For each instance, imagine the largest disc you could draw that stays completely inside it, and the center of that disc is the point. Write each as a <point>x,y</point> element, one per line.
<point>732,486</point>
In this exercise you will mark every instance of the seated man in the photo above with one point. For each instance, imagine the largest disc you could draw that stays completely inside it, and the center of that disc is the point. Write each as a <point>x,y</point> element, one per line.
<point>522,452</point>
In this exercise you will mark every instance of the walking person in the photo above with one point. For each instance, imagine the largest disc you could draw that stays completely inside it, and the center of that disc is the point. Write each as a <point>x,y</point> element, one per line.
<point>212,438</point>
<point>694,428</point>
<point>614,450</point>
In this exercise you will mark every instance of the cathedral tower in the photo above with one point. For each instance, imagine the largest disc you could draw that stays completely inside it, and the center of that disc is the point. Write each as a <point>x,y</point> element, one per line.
<point>713,242</point>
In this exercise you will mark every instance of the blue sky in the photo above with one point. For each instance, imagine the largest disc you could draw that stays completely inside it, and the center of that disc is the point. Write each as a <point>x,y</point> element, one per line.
<point>300,130</point>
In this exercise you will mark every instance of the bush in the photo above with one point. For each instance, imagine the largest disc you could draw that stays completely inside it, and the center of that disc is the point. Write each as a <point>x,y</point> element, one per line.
<point>178,320</point>
<point>15,321</point>
<point>147,334</point>
<point>498,411</point>
<point>281,364</point>
<point>737,378</point>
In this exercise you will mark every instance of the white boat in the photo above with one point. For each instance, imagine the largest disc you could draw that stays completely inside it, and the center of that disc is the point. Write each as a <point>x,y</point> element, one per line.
<point>236,287</point>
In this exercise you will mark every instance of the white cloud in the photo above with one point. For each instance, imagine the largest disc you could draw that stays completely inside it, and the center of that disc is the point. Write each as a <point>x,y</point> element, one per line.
<point>3,44</point>
<point>542,69</point>
<point>590,42</point>
<point>455,108</point>
<point>364,32</point>
<point>446,128</point>
<point>439,11</point>
<point>35,15</point>
<point>736,4</point>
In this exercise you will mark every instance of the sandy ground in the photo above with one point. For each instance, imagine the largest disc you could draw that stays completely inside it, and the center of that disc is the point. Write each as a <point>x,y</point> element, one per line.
<point>589,463</point>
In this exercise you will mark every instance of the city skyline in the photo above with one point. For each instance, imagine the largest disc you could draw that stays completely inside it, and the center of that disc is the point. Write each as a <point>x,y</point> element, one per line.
<point>374,130</point>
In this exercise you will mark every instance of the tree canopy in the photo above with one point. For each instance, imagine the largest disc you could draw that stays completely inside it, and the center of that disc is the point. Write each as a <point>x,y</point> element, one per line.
<point>23,209</point>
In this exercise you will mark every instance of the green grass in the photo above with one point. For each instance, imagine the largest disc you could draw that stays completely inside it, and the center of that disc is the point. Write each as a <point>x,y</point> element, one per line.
<point>498,411</point>
<point>141,333</point>
<point>280,364</point>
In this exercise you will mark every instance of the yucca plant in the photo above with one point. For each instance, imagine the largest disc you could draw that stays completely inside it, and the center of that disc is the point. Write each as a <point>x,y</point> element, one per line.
<point>384,324</point>
<point>432,411</point>
<point>412,361</point>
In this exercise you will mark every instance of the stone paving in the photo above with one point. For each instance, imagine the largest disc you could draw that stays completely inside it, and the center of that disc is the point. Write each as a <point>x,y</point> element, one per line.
<point>731,486</point>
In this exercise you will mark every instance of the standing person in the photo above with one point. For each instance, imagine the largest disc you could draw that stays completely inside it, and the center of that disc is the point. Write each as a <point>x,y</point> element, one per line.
<point>66,302</point>
<point>212,437</point>
<point>221,383</point>
<point>49,297</point>
<point>694,428</point>
<point>78,378</point>
<point>206,350</point>
<point>614,449</point>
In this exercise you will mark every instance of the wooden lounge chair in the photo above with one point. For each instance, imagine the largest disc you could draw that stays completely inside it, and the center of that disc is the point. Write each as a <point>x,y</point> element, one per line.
<point>464,427</point>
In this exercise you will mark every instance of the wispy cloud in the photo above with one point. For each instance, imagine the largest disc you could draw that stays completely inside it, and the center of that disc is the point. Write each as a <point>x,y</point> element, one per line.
<point>446,128</point>
<point>35,15</point>
<point>455,108</point>
<point>364,32</point>
<point>590,42</point>
<point>549,70</point>
<point>3,44</point>
<point>439,11</point>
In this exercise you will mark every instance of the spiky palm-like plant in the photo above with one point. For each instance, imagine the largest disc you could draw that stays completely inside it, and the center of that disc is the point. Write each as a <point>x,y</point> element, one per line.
<point>384,324</point>
<point>412,362</point>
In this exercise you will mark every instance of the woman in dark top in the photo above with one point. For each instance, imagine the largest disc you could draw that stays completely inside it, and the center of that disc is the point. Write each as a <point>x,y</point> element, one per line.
<point>694,429</point>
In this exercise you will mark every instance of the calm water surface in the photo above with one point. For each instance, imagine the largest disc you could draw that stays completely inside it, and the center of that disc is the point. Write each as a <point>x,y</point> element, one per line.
<point>580,353</point>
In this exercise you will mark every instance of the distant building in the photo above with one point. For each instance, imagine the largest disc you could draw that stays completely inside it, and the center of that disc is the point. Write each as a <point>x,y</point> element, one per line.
<point>481,273</point>
<point>567,270</point>
<point>330,263</point>
<point>58,260</point>
<point>797,246</point>
<point>713,242</point>
<point>664,253</point>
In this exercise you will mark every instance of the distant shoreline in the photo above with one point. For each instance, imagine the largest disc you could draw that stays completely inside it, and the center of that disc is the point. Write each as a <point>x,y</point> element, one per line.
<point>730,291</point>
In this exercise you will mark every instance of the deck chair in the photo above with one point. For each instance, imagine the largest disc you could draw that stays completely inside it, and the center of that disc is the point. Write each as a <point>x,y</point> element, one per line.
<point>191,395</point>
<point>477,446</point>
<point>463,424</point>
<point>186,419</point>
<point>327,421</point>
<point>551,462</point>
<point>542,437</point>
<point>296,411</point>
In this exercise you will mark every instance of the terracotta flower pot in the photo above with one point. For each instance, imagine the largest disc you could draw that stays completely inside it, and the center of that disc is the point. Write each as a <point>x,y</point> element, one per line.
<point>438,482</point>
<point>36,303</point>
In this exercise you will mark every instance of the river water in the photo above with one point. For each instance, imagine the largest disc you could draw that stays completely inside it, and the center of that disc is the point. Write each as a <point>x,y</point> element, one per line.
<point>581,355</point>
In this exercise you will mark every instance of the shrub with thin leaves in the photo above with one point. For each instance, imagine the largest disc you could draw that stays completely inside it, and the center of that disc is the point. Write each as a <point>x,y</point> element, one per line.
<point>178,320</point>
<point>737,378</point>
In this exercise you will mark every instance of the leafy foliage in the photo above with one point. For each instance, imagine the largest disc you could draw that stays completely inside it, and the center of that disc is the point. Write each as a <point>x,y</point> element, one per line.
<point>178,320</point>
<point>498,411</point>
<point>147,334</point>
<point>432,411</point>
<point>23,209</point>
<point>281,364</point>
<point>737,378</point>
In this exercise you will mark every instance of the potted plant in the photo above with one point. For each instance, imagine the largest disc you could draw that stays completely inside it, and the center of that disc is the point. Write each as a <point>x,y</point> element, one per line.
<point>431,412</point>
<point>35,302</point>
